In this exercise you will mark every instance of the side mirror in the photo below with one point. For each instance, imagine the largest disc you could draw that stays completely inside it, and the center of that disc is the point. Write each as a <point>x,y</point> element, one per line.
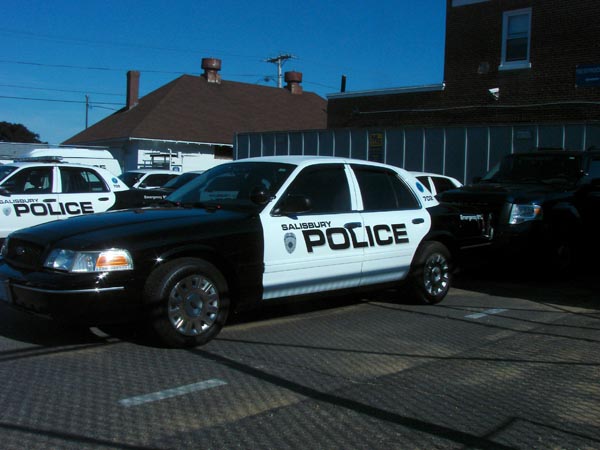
<point>293,204</point>
<point>4,192</point>
<point>260,196</point>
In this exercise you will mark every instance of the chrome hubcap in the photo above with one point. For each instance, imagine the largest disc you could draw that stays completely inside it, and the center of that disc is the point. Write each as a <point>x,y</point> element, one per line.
<point>436,274</point>
<point>193,305</point>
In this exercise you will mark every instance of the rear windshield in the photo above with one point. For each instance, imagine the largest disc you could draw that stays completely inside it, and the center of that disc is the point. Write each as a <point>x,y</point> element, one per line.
<point>130,178</point>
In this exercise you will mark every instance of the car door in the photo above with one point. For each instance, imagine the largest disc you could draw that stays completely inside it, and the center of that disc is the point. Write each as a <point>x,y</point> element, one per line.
<point>394,221</point>
<point>31,199</point>
<point>83,191</point>
<point>314,250</point>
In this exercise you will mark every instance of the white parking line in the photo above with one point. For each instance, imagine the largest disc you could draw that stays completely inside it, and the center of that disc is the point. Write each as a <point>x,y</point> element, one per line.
<point>487,312</point>
<point>168,393</point>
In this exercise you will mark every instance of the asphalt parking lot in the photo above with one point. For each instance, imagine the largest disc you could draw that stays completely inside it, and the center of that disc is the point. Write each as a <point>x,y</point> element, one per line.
<point>504,362</point>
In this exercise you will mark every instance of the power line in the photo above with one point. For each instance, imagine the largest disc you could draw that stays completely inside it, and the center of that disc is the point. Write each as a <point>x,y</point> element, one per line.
<point>67,66</point>
<point>59,90</point>
<point>58,100</point>
<point>117,44</point>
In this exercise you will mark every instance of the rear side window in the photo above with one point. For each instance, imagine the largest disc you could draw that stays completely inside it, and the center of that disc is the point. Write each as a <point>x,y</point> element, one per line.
<point>326,186</point>
<point>383,190</point>
<point>442,184</point>
<point>77,181</point>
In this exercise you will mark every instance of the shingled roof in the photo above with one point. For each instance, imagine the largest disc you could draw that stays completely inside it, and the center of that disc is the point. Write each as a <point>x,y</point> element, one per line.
<point>192,109</point>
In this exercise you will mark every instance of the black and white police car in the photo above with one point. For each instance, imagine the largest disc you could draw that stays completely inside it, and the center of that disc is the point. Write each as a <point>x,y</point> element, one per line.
<point>241,234</point>
<point>38,190</point>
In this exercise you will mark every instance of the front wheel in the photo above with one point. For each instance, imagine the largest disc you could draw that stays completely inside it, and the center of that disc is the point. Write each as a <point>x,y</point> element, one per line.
<point>431,273</point>
<point>188,302</point>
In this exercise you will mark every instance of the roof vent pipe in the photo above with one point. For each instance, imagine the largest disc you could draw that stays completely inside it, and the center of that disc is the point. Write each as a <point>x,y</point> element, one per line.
<point>293,80</point>
<point>211,67</point>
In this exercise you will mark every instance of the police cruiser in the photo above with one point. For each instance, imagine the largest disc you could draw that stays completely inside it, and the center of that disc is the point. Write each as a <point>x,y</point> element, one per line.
<point>240,234</point>
<point>42,189</point>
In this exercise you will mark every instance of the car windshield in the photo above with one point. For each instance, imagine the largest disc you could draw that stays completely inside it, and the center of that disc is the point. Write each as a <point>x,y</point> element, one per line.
<point>5,171</point>
<point>231,185</point>
<point>130,178</point>
<point>536,169</point>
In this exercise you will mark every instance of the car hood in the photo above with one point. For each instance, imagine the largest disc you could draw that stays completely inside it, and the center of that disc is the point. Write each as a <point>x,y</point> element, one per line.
<point>500,193</point>
<point>134,227</point>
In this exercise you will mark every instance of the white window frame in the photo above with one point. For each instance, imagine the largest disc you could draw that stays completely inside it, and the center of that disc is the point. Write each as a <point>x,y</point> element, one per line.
<point>512,65</point>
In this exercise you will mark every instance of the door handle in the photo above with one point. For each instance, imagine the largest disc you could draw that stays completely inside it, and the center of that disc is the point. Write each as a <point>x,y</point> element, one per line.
<point>417,221</point>
<point>352,225</point>
<point>103,199</point>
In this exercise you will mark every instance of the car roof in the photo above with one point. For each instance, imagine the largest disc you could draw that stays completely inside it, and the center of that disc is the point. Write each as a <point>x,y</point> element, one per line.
<point>307,160</point>
<point>153,171</point>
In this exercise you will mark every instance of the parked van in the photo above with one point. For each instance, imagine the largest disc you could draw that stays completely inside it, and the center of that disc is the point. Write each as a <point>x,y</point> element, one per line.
<point>88,156</point>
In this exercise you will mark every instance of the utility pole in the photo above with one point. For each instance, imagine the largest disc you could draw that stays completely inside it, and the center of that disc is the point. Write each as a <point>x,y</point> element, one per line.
<point>279,60</point>
<point>87,107</point>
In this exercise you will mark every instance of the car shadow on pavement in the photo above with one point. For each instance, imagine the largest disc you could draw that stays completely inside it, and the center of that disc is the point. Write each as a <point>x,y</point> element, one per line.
<point>576,288</point>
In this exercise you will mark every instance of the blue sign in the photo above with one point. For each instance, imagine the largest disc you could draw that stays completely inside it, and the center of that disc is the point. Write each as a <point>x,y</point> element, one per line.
<point>587,75</point>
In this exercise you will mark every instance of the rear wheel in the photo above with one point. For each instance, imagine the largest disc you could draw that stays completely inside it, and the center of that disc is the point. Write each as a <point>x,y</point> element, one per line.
<point>188,301</point>
<point>431,273</point>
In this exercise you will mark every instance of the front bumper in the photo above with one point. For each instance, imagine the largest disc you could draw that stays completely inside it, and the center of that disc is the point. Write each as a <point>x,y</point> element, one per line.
<point>89,298</point>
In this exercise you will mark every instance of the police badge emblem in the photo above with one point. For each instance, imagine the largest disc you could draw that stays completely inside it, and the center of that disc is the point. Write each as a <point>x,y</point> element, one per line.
<point>290,242</point>
<point>6,210</point>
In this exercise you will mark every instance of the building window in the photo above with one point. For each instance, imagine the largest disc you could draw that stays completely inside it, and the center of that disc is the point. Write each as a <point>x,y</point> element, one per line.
<point>516,39</point>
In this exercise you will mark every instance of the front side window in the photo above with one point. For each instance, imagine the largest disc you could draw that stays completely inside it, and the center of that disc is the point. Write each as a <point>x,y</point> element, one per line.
<point>36,180</point>
<point>516,39</point>
<point>326,186</point>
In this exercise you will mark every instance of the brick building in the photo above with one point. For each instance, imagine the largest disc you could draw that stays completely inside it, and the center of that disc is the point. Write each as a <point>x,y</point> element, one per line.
<point>506,61</point>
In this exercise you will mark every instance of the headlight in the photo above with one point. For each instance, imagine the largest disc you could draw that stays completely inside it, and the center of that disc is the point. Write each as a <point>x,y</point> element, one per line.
<point>95,261</point>
<point>524,213</point>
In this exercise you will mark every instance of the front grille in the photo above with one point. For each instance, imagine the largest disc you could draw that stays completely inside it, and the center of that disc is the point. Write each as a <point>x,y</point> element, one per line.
<point>24,254</point>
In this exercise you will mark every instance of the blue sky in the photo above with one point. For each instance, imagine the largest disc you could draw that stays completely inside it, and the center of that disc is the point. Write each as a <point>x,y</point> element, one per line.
<point>61,50</point>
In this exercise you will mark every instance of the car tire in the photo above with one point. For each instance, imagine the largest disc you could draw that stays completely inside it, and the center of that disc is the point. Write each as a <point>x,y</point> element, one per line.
<point>188,302</point>
<point>431,273</point>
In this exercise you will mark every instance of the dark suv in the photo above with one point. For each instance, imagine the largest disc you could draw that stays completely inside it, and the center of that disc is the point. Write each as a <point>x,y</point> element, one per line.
<point>544,204</point>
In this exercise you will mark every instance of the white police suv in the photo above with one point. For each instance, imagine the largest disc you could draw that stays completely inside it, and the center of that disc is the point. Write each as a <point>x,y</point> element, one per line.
<point>241,234</point>
<point>42,189</point>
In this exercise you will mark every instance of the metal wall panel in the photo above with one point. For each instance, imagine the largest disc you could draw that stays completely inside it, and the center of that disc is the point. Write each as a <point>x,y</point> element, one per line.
<point>342,143</point>
<point>460,152</point>
<point>296,144</point>
<point>434,150</point>
<point>360,145</point>
<point>394,147</point>
<point>477,152</point>
<point>414,149</point>
<point>456,141</point>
